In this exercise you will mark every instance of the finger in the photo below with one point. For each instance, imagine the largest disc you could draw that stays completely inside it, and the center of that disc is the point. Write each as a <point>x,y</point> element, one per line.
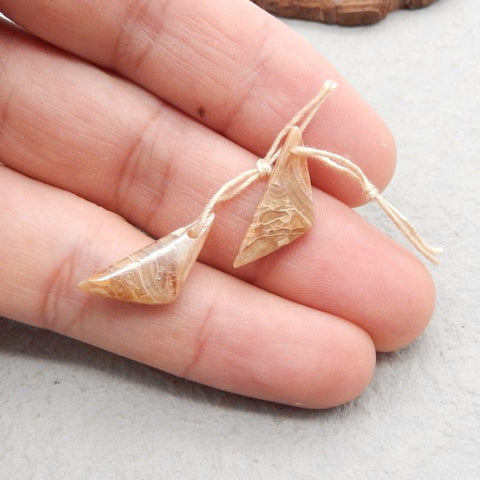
<point>221,331</point>
<point>232,66</point>
<point>98,140</point>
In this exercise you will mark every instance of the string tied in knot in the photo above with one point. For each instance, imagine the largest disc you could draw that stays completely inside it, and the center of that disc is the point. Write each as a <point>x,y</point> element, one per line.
<point>332,160</point>
<point>352,170</point>
<point>264,168</point>
<point>371,191</point>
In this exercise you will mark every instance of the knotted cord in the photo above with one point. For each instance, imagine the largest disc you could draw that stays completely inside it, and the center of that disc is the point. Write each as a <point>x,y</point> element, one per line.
<point>341,164</point>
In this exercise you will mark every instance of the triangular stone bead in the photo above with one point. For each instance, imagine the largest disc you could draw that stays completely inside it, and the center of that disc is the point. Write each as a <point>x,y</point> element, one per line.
<point>286,209</point>
<point>154,274</point>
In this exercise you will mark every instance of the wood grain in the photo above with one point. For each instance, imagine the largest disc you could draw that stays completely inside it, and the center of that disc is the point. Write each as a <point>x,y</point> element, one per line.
<point>341,12</point>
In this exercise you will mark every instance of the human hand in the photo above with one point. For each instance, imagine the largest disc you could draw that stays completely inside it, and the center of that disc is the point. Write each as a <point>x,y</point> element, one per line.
<point>179,97</point>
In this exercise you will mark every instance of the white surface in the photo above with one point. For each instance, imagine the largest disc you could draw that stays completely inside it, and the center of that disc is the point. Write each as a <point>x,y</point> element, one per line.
<point>70,411</point>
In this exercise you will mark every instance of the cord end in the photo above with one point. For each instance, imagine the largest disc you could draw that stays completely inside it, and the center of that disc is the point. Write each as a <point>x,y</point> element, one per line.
<point>330,85</point>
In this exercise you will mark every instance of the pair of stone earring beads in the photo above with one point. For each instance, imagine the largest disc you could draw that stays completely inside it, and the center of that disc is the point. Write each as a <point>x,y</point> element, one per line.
<point>156,273</point>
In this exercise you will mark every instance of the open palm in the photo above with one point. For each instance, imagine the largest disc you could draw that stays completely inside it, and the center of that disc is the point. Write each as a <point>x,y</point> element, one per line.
<point>134,114</point>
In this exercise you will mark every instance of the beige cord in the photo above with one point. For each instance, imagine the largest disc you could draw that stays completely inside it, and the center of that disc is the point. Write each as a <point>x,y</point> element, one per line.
<point>339,163</point>
<point>264,165</point>
<point>349,168</point>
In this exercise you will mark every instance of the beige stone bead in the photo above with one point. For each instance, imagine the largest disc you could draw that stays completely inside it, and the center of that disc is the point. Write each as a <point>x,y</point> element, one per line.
<point>285,211</point>
<point>155,274</point>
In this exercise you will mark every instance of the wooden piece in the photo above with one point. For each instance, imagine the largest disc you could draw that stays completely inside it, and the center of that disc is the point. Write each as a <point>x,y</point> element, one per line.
<point>285,211</point>
<point>342,12</point>
<point>155,274</point>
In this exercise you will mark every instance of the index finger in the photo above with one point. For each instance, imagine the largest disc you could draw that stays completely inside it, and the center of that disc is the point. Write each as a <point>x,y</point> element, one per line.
<point>230,65</point>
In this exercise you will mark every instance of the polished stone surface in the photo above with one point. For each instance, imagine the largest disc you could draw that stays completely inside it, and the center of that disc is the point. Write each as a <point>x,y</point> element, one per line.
<point>155,274</point>
<point>285,211</point>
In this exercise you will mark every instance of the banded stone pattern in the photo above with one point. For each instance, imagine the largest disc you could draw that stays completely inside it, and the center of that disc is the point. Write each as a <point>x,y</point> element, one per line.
<point>155,274</point>
<point>285,211</point>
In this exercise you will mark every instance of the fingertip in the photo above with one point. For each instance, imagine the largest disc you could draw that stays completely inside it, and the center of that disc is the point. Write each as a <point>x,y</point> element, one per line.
<point>347,370</point>
<point>413,312</point>
<point>326,364</point>
<point>282,352</point>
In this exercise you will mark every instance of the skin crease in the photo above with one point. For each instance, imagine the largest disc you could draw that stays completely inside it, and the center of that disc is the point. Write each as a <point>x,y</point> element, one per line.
<point>140,40</point>
<point>79,136</point>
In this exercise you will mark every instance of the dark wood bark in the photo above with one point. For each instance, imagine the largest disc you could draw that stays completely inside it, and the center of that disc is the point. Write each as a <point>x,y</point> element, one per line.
<point>342,12</point>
